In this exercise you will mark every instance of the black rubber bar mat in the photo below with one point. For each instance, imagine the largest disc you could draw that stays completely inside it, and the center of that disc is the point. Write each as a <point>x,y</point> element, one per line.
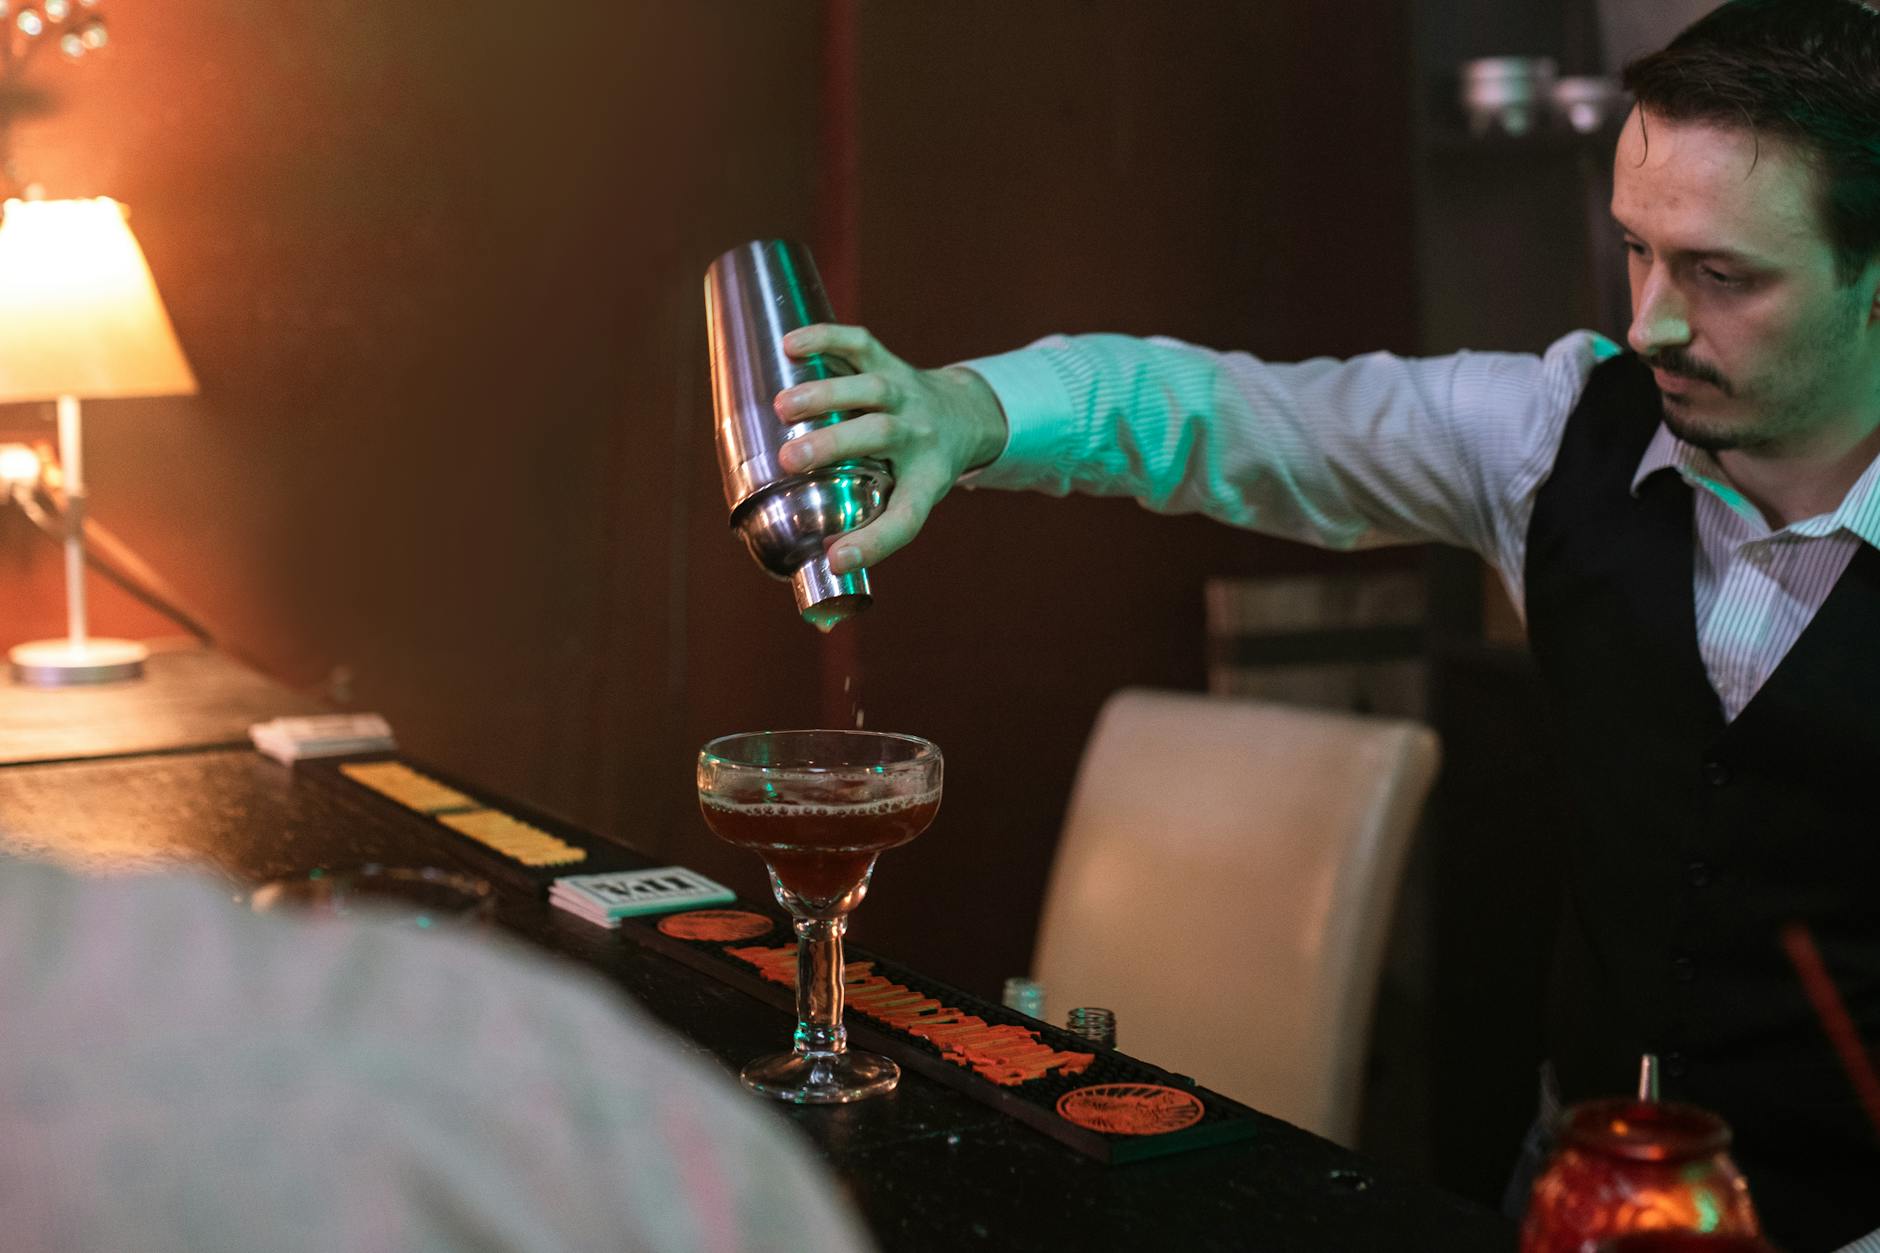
<point>1103,1103</point>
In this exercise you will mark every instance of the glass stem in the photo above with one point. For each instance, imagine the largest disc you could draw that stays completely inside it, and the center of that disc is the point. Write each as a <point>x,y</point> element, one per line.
<point>819,1027</point>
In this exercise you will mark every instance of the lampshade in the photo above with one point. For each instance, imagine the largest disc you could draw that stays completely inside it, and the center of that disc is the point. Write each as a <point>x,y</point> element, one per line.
<point>79,312</point>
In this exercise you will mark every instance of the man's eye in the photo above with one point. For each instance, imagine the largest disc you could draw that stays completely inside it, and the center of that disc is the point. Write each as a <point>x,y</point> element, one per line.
<point>1720,278</point>
<point>1634,247</point>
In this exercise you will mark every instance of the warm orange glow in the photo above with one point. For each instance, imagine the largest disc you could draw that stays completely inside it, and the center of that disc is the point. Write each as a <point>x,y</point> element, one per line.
<point>19,464</point>
<point>79,311</point>
<point>1632,1166</point>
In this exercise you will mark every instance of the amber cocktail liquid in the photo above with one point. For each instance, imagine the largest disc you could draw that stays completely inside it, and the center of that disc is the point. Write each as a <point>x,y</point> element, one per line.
<point>819,807</point>
<point>820,851</point>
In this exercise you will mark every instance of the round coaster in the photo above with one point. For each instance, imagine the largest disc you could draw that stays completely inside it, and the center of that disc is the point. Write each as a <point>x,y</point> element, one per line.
<point>718,925</point>
<point>1130,1109</point>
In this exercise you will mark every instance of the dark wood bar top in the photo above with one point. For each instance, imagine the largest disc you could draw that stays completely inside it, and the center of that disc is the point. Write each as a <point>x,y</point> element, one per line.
<point>928,1166</point>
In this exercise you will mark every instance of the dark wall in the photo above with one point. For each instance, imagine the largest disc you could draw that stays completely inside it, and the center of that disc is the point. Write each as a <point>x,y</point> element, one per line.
<point>1230,173</point>
<point>439,275</point>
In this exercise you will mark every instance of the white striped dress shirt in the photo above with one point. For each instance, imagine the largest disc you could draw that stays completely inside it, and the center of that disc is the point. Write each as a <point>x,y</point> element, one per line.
<point>1385,449</point>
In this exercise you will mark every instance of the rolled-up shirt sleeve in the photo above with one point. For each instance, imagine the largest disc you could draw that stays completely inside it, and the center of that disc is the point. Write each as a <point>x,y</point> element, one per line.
<point>1342,454</point>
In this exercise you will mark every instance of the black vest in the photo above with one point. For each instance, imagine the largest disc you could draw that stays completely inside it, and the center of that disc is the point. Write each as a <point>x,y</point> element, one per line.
<point>1698,840</point>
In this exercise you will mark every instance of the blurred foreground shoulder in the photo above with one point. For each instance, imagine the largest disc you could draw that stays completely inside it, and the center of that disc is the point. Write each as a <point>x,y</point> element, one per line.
<point>178,1074</point>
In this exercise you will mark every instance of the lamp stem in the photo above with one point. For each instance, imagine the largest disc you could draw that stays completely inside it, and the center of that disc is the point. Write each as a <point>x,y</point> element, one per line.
<point>78,658</point>
<point>72,467</point>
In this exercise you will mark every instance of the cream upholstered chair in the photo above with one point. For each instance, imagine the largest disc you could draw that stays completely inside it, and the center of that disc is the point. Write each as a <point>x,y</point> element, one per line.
<point>1225,882</point>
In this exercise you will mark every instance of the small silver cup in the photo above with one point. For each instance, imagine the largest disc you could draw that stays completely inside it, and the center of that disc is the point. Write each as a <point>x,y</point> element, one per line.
<point>754,295</point>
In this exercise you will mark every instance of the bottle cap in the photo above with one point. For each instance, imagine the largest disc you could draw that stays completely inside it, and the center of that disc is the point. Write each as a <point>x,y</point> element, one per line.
<point>1095,1025</point>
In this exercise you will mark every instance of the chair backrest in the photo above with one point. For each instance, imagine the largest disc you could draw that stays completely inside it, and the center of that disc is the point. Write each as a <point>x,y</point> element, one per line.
<point>1225,883</point>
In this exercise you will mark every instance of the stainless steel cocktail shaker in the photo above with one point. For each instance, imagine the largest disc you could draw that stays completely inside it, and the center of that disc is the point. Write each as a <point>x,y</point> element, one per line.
<point>754,295</point>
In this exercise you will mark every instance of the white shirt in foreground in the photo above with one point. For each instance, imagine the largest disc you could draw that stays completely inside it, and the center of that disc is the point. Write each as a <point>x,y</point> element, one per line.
<point>178,1075</point>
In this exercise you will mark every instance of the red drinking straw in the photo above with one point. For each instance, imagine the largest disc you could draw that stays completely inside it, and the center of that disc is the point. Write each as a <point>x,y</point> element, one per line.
<point>1801,949</point>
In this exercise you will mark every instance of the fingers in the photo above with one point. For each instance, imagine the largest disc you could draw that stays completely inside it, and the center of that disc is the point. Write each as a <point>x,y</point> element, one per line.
<point>863,392</point>
<point>866,436</point>
<point>898,524</point>
<point>883,387</point>
<point>852,343</point>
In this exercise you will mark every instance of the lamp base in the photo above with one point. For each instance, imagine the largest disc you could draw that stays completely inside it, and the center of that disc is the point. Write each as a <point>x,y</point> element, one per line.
<point>62,663</point>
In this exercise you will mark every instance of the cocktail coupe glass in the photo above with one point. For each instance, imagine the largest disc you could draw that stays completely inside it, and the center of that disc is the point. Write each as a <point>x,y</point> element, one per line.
<point>819,807</point>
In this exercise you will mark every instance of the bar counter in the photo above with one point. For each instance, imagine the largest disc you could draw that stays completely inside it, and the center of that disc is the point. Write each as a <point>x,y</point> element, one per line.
<point>929,1166</point>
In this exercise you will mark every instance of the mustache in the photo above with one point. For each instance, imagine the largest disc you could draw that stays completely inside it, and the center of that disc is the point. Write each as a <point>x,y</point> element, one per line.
<point>1681,364</point>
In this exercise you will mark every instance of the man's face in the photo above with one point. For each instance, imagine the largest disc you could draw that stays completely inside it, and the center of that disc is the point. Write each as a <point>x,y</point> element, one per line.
<point>1754,344</point>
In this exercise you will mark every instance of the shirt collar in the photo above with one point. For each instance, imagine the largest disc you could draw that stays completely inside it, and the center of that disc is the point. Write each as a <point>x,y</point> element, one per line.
<point>1665,452</point>
<point>1858,513</point>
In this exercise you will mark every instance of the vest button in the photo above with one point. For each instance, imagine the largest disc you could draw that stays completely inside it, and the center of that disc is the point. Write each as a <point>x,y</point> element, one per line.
<point>1683,969</point>
<point>1697,874</point>
<point>1716,773</point>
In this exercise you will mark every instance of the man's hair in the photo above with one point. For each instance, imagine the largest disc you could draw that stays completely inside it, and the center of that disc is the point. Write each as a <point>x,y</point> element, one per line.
<point>1806,71</point>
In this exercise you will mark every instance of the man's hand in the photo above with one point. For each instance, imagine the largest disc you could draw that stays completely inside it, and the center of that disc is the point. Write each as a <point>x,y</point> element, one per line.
<point>930,426</point>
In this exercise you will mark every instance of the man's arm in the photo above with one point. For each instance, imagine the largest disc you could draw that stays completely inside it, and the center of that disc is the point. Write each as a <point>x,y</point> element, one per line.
<point>1342,454</point>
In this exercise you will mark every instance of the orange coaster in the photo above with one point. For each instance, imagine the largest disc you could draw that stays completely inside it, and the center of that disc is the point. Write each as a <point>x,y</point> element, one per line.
<point>720,925</point>
<point>1130,1109</point>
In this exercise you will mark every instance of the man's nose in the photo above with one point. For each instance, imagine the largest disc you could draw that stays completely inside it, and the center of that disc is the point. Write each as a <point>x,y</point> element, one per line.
<point>1659,317</point>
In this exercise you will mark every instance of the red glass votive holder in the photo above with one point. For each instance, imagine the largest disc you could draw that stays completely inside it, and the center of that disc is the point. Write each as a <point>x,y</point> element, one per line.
<point>1626,1166</point>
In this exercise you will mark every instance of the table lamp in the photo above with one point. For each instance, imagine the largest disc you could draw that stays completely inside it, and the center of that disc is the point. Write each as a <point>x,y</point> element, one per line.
<point>79,318</point>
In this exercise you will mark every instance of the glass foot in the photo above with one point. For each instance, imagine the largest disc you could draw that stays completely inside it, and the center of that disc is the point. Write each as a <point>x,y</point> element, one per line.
<point>821,1078</point>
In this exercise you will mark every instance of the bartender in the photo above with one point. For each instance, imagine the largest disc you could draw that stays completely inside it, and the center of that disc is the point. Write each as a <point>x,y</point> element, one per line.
<point>1688,524</point>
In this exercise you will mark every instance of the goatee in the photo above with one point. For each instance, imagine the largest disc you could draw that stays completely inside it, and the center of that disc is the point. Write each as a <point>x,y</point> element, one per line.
<point>1709,438</point>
